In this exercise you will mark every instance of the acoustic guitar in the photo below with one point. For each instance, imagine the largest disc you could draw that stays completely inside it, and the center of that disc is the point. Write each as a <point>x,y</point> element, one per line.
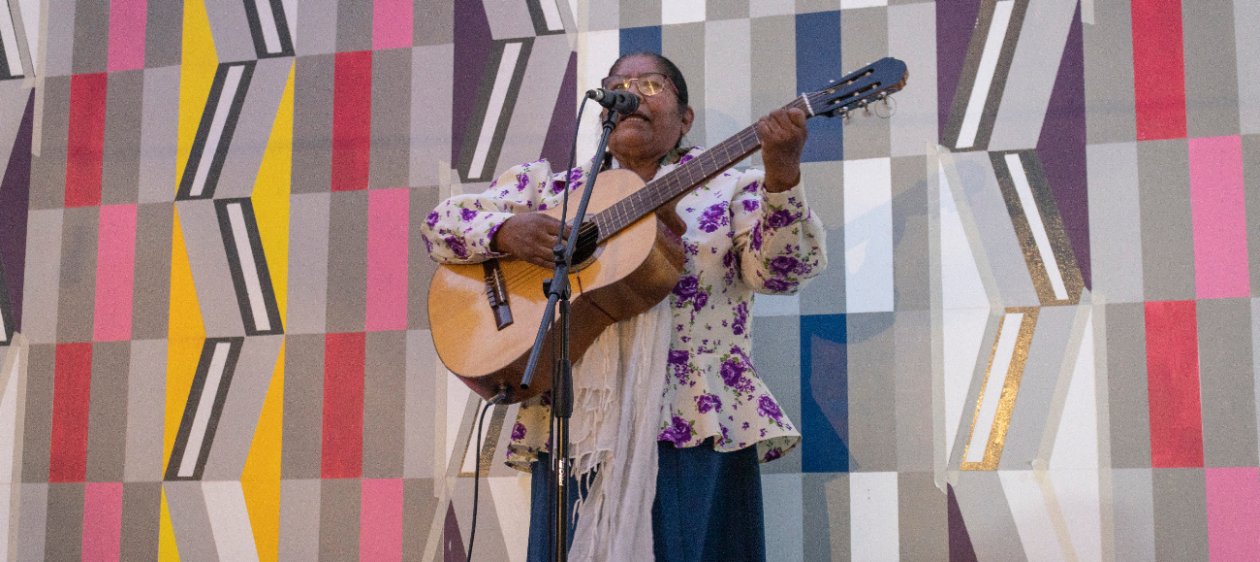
<point>484,316</point>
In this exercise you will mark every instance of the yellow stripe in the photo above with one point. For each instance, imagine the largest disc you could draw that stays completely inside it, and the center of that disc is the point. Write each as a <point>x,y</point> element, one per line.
<point>271,196</point>
<point>200,60</point>
<point>168,550</point>
<point>186,336</point>
<point>260,480</point>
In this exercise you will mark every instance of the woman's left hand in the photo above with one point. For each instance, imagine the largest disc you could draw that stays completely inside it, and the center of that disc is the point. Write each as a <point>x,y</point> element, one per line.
<point>782,134</point>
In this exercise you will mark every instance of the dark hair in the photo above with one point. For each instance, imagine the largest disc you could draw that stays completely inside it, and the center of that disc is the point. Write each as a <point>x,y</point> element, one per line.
<point>670,70</point>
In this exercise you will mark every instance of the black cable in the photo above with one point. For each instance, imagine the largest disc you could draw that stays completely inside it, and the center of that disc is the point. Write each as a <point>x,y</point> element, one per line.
<point>472,533</point>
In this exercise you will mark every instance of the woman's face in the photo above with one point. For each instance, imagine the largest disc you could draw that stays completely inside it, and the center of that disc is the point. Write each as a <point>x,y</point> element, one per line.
<point>654,129</point>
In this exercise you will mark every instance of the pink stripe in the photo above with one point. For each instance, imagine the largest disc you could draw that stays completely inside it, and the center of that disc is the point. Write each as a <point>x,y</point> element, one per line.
<point>126,34</point>
<point>102,520</point>
<point>1233,511</point>
<point>1220,218</point>
<point>391,24</point>
<point>381,520</point>
<point>115,273</point>
<point>387,259</point>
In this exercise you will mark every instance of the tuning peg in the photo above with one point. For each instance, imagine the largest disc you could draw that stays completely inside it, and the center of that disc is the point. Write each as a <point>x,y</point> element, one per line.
<point>890,107</point>
<point>844,116</point>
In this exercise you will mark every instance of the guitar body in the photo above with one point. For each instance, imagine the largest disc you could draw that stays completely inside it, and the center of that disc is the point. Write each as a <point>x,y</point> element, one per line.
<point>628,274</point>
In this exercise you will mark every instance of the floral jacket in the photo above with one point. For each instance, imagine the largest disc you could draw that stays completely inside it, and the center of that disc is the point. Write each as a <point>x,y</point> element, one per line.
<point>740,240</point>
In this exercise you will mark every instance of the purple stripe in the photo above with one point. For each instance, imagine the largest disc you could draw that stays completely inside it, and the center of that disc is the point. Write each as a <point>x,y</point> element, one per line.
<point>558,144</point>
<point>960,548</point>
<point>473,43</point>
<point>1061,147</point>
<point>15,197</point>
<point>955,24</point>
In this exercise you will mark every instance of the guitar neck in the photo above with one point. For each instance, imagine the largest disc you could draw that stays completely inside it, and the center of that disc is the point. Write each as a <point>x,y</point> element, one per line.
<point>682,179</point>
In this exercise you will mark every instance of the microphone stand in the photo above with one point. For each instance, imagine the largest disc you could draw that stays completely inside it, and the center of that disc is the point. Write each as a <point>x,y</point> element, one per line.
<point>558,292</point>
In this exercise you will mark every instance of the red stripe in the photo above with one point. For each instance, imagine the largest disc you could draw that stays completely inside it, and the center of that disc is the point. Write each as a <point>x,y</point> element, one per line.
<point>87,140</point>
<point>1172,373</point>
<point>1159,71</point>
<point>343,405</point>
<point>72,386</point>
<point>352,121</point>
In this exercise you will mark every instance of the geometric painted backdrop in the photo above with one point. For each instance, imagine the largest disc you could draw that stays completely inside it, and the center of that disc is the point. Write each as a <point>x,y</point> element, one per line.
<point>1039,337</point>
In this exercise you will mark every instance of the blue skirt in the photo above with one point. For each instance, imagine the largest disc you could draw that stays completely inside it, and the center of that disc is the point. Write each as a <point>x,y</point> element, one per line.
<point>708,506</point>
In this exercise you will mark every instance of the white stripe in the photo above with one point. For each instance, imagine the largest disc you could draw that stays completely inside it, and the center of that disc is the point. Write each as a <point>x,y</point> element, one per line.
<point>28,10</point>
<point>3,332</point>
<point>267,21</point>
<point>992,396</point>
<point>494,109</point>
<point>201,420</point>
<point>868,235</point>
<point>9,35</point>
<point>1031,513</point>
<point>984,74</point>
<point>221,111</point>
<point>249,268</point>
<point>8,421</point>
<point>1031,211</point>
<point>875,534</point>
<point>551,13</point>
<point>229,521</point>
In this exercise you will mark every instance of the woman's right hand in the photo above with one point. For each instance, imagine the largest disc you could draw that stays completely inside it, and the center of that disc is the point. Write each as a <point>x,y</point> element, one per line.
<point>530,237</point>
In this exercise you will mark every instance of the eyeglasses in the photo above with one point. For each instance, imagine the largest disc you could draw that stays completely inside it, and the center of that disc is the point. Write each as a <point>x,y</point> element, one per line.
<point>648,84</point>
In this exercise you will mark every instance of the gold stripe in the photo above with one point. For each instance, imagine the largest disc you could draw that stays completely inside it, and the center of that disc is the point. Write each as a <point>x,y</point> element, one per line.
<point>1010,391</point>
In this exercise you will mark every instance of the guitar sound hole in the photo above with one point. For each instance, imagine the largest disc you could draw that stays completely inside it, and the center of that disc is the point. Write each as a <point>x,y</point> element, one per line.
<point>588,237</point>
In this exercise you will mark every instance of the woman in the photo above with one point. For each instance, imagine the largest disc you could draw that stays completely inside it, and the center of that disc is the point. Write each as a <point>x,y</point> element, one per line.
<point>714,420</point>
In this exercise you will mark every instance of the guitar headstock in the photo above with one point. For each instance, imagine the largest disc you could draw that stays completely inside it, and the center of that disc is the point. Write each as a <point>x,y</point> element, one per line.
<point>859,88</point>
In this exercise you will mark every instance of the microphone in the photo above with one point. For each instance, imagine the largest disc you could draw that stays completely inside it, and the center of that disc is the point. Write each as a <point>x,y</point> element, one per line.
<point>624,103</point>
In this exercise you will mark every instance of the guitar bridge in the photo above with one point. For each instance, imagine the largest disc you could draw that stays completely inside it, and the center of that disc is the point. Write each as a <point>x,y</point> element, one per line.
<point>497,294</point>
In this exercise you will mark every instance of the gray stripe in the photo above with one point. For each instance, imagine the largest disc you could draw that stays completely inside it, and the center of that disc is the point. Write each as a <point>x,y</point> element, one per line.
<point>864,38</point>
<point>1246,13</point>
<point>347,262</point>
<point>58,46</point>
<point>640,13</point>
<point>917,446</point>
<point>233,40</point>
<point>784,512</point>
<point>1226,382</point>
<point>211,276</point>
<point>317,32</point>
<point>48,172</point>
<point>107,413</point>
<point>922,513</point>
<point>159,135</point>
<point>65,521</point>
<point>1129,416</point>
<point>434,22</point>
<point>190,520</point>
<point>988,514</point>
<point>391,118</point>
<point>1131,507</point>
<point>684,44</point>
<point>34,521</point>
<point>419,503</point>
<point>308,262</point>
<point>1251,179</point>
<point>726,9</point>
<point>777,348</point>
<point>872,407</point>
<point>998,240</point>
<point>253,129</point>
<point>544,72</point>
<point>120,175</point>
<point>1115,222</point>
<point>299,520</point>
<point>43,269</point>
<point>354,26</point>
<point>912,38</point>
<point>1180,509</point>
<point>773,83</point>
<point>1033,71</point>
<point>509,19</point>
<point>421,267</point>
<point>146,415</point>
<point>1108,63</point>
<point>234,434</point>
<point>1032,413</point>
<point>77,293</point>
<point>151,302</point>
<point>13,97</point>
<point>430,114</point>
<point>420,448</point>
<point>1167,234</point>
<point>91,40</point>
<point>827,496</point>
<point>1211,69</point>
<point>303,406</point>
<point>164,34</point>
<point>141,520</point>
<point>339,506</point>
<point>911,234</point>
<point>384,404</point>
<point>37,423</point>
<point>312,124</point>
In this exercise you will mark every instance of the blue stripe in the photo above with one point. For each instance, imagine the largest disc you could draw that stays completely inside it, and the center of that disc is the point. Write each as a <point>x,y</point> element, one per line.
<point>818,61</point>
<point>637,39</point>
<point>824,393</point>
